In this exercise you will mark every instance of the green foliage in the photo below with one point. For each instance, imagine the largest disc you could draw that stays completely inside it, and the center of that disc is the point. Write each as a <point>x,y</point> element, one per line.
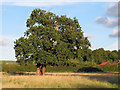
<point>107,68</point>
<point>9,67</point>
<point>89,69</point>
<point>100,55</point>
<point>51,39</point>
<point>81,67</point>
<point>14,67</point>
<point>61,69</point>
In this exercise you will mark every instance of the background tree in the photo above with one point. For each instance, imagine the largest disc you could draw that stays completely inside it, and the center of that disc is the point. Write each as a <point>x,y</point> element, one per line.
<point>99,55</point>
<point>50,40</point>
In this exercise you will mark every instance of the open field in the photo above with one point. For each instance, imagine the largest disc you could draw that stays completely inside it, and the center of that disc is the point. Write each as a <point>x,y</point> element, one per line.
<point>60,80</point>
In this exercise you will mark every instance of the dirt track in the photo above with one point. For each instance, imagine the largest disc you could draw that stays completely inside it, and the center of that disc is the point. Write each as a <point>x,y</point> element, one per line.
<point>63,74</point>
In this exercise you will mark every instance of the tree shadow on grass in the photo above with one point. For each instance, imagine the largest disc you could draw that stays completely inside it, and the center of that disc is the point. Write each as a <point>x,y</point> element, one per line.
<point>111,78</point>
<point>20,73</point>
<point>89,69</point>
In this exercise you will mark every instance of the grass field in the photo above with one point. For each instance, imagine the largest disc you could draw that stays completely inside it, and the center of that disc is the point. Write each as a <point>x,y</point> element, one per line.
<point>61,80</point>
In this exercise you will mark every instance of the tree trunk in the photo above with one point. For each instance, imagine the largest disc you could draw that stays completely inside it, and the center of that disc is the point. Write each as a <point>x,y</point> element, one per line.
<point>43,69</point>
<point>40,69</point>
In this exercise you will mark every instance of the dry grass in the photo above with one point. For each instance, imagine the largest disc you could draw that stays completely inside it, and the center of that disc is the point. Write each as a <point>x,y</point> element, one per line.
<point>48,81</point>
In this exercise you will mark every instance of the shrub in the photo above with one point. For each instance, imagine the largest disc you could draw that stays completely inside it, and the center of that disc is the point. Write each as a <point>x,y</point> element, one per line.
<point>110,68</point>
<point>14,67</point>
<point>89,69</point>
<point>9,67</point>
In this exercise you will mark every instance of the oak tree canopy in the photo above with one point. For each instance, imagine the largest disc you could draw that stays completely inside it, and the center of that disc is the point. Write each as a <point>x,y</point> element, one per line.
<point>51,39</point>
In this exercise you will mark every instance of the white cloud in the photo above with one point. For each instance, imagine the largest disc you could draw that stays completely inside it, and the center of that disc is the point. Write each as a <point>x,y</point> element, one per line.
<point>111,22</point>
<point>6,40</point>
<point>35,3</point>
<point>88,35</point>
<point>111,19</point>
<point>7,51</point>
<point>101,20</point>
<point>42,4</point>
<point>115,33</point>
<point>108,22</point>
<point>59,1</point>
<point>3,41</point>
<point>112,10</point>
<point>45,3</point>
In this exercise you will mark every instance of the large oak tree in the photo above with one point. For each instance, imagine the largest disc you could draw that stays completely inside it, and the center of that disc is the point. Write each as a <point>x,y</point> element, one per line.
<point>50,39</point>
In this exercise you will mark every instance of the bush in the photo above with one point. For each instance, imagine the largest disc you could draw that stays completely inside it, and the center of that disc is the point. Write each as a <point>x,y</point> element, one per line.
<point>61,69</point>
<point>14,67</point>
<point>89,69</point>
<point>109,68</point>
<point>9,67</point>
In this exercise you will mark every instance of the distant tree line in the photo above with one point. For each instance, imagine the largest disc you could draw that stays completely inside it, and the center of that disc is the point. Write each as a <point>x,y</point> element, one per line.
<point>100,55</point>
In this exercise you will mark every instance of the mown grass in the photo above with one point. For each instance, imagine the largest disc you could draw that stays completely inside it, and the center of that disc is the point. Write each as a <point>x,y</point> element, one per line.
<point>85,81</point>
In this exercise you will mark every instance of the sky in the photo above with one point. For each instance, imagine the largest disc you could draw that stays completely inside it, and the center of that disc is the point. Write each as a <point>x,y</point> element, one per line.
<point>99,21</point>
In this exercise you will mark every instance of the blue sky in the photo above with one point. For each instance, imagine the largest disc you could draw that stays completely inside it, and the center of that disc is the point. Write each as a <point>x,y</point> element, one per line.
<point>96,19</point>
